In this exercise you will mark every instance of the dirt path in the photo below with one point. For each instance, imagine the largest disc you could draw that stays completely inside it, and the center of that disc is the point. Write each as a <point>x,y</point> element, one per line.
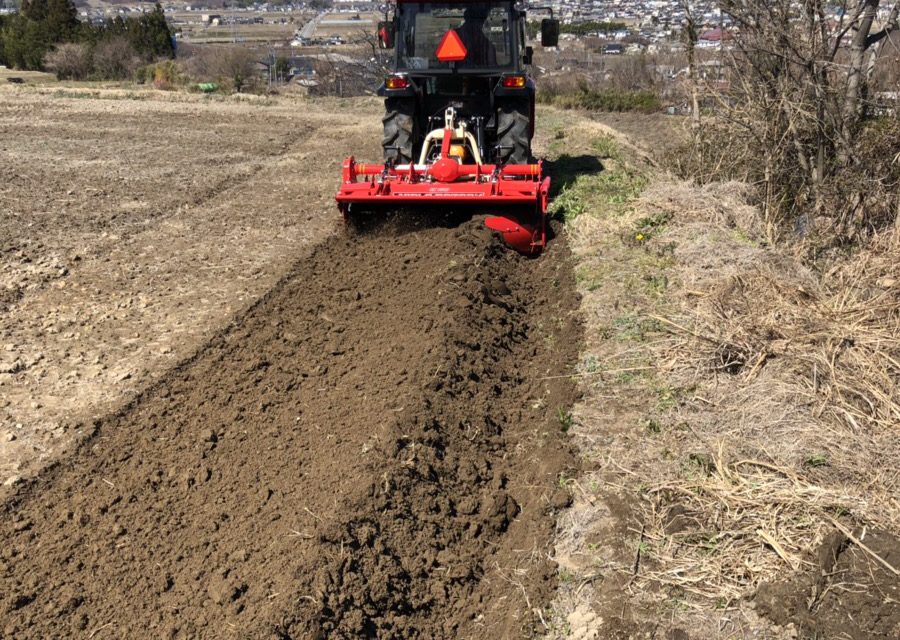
<point>371,450</point>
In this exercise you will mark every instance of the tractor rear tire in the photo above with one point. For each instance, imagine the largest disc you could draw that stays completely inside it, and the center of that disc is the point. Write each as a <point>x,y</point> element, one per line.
<point>399,130</point>
<point>513,129</point>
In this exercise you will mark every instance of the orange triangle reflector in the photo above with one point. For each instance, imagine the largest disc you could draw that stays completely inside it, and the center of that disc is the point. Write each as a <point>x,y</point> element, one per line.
<point>451,48</point>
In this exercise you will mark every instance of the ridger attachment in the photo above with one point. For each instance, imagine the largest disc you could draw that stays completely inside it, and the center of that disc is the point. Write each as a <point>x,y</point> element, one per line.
<point>450,172</point>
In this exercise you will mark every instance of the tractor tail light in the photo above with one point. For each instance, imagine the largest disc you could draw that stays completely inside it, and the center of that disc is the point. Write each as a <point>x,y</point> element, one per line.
<point>514,82</point>
<point>396,82</point>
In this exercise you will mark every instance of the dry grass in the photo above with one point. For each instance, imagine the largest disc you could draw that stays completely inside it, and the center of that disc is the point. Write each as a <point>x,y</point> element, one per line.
<point>768,414</point>
<point>793,407</point>
<point>30,77</point>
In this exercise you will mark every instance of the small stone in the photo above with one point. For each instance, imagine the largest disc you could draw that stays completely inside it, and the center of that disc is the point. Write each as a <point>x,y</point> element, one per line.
<point>11,366</point>
<point>467,505</point>
<point>9,437</point>
<point>500,288</point>
<point>209,435</point>
<point>12,481</point>
<point>241,555</point>
<point>438,590</point>
<point>223,590</point>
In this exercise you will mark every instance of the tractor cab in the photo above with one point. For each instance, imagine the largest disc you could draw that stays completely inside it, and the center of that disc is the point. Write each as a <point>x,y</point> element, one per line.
<point>470,38</point>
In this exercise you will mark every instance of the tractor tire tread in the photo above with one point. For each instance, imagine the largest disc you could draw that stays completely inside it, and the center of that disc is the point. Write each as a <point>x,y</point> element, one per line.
<point>513,125</point>
<point>399,130</point>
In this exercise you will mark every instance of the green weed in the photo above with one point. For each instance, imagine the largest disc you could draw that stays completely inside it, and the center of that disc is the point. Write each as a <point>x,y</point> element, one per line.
<point>591,278</point>
<point>666,398</point>
<point>566,420</point>
<point>606,147</point>
<point>634,328</point>
<point>652,425</point>
<point>816,460</point>
<point>590,364</point>
<point>78,95</point>
<point>604,192</point>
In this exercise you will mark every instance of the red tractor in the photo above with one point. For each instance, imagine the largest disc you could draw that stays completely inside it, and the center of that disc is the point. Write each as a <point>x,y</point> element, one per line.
<point>459,118</point>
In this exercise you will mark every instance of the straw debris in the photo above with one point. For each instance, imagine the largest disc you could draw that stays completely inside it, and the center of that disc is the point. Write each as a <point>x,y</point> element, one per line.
<point>795,405</point>
<point>768,419</point>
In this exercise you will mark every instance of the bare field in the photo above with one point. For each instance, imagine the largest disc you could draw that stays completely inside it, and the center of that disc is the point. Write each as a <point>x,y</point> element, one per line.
<point>338,24</point>
<point>274,430</point>
<point>270,30</point>
<point>133,225</point>
<point>30,77</point>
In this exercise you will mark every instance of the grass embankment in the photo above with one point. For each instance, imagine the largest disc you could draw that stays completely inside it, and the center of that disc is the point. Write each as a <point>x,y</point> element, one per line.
<point>738,406</point>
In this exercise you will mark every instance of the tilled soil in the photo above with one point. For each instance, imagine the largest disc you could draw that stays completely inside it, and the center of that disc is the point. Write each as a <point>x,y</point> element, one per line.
<point>371,450</point>
<point>133,225</point>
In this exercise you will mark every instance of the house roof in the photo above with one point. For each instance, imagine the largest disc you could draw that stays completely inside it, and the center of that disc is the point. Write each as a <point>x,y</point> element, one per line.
<point>715,35</point>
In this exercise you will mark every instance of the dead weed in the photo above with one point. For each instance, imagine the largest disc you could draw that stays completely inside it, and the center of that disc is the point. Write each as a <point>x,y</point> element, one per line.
<point>764,412</point>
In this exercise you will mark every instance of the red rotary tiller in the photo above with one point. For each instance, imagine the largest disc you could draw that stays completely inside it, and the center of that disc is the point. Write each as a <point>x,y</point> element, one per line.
<point>447,181</point>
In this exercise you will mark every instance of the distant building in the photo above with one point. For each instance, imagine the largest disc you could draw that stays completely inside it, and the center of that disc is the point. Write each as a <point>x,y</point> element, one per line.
<point>614,49</point>
<point>301,67</point>
<point>713,38</point>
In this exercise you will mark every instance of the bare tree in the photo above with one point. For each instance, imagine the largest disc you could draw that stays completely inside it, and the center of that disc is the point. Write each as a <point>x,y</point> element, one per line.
<point>234,64</point>
<point>879,39</point>
<point>356,71</point>
<point>795,109</point>
<point>69,61</point>
<point>690,38</point>
<point>115,59</point>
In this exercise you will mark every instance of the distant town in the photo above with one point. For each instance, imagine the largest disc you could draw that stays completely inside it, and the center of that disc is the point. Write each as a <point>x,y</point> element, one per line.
<point>625,26</point>
<point>629,25</point>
